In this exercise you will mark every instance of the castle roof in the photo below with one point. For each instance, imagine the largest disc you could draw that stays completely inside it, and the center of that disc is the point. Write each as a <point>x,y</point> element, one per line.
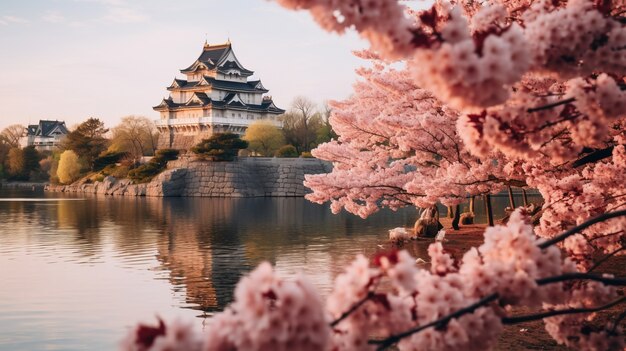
<point>220,57</point>
<point>251,86</point>
<point>230,101</point>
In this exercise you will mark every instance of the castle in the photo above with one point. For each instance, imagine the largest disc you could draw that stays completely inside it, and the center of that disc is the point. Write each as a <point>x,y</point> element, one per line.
<point>215,97</point>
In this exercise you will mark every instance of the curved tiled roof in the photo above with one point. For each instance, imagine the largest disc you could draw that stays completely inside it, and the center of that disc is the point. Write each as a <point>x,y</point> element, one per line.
<point>220,84</point>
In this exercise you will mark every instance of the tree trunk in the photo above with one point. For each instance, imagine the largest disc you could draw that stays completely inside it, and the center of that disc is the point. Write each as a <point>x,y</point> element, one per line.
<point>488,210</point>
<point>449,214</point>
<point>511,200</point>
<point>457,217</point>
<point>524,197</point>
<point>471,204</point>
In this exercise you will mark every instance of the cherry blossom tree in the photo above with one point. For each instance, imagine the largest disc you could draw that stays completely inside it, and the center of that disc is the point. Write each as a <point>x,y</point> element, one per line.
<point>510,91</point>
<point>398,146</point>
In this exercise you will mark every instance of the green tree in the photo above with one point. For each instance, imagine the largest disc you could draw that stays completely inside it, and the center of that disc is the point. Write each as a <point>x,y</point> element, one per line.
<point>31,159</point>
<point>220,147</point>
<point>69,167</point>
<point>301,125</point>
<point>325,132</point>
<point>15,164</point>
<point>287,151</point>
<point>264,138</point>
<point>87,140</point>
<point>135,135</point>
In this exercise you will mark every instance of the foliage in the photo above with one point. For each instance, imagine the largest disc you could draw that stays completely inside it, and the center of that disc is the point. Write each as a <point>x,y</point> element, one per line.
<point>108,158</point>
<point>69,167</point>
<point>264,138</point>
<point>287,151</point>
<point>12,134</point>
<point>303,125</point>
<point>167,155</point>
<point>87,140</point>
<point>157,164</point>
<point>145,172</point>
<point>220,147</point>
<point>22,162</point>
<point>306,155</point>
<point>135,135</point>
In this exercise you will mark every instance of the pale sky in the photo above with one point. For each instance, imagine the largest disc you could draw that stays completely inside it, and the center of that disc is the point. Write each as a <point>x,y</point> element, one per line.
<point>74,59</point>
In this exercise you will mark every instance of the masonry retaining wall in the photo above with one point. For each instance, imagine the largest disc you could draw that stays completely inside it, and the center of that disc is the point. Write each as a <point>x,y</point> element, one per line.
<point>246,177</point>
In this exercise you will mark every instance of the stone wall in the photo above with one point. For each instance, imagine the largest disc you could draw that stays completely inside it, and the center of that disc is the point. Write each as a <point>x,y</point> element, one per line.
<point>247,177</point>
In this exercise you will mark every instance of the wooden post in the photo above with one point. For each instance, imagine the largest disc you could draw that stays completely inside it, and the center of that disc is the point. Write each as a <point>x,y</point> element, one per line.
<point>524,197</point>
<point>488,210</point>
<point>457,217</point>
<point>511,200</point>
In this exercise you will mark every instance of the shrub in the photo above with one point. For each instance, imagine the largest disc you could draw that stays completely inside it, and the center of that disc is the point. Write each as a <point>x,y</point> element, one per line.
<point>220,147</point>
<point>69,168</point>
<point>108,158</point>
<point>146,172</point>
<point>167,154</point>
<point>306,155</point>
<point>287,151</point>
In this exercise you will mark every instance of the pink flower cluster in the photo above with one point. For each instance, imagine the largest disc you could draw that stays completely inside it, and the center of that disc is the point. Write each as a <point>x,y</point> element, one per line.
<point>390,295</point>
<point>383,24</point>
<point>397,146</point>
<point>576,40</point>
<point>470,70</point>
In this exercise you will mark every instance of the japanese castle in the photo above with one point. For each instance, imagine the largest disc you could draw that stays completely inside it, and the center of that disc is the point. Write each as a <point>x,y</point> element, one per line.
<point>215,97</point>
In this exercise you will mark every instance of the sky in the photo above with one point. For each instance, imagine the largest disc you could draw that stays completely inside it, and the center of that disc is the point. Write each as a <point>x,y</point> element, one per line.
<point>73,59</point>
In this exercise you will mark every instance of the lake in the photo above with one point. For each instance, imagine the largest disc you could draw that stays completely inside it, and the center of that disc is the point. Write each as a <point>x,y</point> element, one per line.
<point>76,273</point>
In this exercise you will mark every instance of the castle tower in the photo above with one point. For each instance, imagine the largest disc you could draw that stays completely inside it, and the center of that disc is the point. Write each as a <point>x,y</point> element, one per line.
<point>215,97</point>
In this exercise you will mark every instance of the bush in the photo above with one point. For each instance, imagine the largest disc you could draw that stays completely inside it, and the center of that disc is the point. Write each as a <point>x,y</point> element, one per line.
<point>146,172</point>
<point>108,158</point>
<point>287,151</point>
<point>167,154</point>
<point>305,154</point>
<point>220,147</point>
<point>69,168</point>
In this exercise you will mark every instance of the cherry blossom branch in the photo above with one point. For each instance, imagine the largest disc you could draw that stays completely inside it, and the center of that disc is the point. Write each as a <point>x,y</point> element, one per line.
<point>594,156</point>
<point>439,323</point>
<point>582,276</point>
<point>601,218</point>
<point>354,307</point>
<point>552,105</point>
<point>534,317</point>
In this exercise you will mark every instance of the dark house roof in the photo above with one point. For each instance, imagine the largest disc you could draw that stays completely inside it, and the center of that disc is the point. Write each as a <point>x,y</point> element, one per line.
<point>45,128</point>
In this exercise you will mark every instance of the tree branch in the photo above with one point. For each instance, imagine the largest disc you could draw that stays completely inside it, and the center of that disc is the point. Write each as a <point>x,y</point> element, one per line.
<point>534,317</point>
<point>354,307</point>
<point>582,276</point>
<point>549,106</point>
<point>439,323</point>
<point>601,218</point>
<point>594,156</point>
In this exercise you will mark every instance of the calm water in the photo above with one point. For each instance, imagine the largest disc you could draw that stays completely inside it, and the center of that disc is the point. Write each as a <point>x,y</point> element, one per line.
<point>75,273</point>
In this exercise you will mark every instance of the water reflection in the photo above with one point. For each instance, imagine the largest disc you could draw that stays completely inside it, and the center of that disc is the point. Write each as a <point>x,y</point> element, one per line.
<point>76,272</point>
